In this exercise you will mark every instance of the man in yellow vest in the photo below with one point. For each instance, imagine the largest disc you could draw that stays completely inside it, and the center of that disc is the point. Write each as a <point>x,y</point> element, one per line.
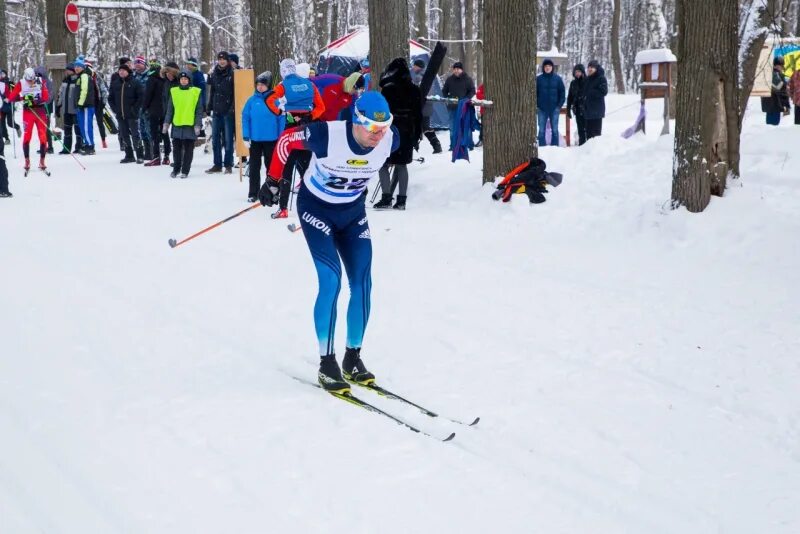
<point>185,114</point>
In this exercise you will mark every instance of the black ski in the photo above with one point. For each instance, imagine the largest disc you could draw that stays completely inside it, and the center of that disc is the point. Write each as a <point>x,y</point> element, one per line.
<point>352,399</point>
<point>394,396</point>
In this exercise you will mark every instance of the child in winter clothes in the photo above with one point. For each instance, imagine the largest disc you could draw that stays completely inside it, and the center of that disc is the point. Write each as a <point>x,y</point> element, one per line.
<point>260,131</point>
<point>185,114</point>
<point>33,94</point>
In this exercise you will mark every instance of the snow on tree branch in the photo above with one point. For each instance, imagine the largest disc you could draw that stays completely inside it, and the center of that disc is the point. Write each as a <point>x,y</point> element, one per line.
<point>144,6</point>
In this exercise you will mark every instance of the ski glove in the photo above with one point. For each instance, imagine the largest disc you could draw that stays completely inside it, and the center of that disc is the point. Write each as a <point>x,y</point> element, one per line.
<point>268,194</point>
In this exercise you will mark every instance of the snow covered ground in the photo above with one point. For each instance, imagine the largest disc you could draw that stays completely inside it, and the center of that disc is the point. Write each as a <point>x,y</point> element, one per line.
<point>636,369</point>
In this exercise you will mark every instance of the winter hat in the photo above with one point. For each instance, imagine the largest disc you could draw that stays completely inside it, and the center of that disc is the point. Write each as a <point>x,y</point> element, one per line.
<point>547,62</point>
<point>351,82</point>
<point>154,63</point>
<point>458,65</point>
<point>419,63</point>
<point>192,61</point>
<point>578,67</point>
<point>233,58</point>
<point>29,74</point>
<point>88,63</point>
<point>185,74</point>
<point>594,64</point>
<point>265,78</point>
<point>288,67</point>
<point>139,60</point>
<point>303,70</point>
<point>123,60</point>
<point>124,67</point>
<point>79,63</point>
<point>364,63</point>
<point>70,66</point>
<point>172,65</point>
<point>778,61</point>
<point>224,55</point>
<point>372,107</point>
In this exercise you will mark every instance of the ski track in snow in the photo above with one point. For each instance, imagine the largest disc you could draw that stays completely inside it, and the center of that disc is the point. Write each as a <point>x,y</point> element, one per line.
<point>635,368</point>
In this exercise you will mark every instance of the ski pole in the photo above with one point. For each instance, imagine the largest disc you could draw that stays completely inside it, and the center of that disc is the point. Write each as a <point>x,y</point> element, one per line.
<point>57,138</point>
<point>173,243</point>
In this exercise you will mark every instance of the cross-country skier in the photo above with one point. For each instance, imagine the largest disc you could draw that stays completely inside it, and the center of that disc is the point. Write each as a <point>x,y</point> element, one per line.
<point>345,155</point>
<point>33,94</point>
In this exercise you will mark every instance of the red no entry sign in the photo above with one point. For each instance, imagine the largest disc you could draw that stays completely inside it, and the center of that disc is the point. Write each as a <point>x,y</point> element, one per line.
<point>71,17</point>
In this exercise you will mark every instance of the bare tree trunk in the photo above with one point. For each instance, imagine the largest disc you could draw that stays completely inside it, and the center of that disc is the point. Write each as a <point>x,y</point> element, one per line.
<point>334,21</point>
<point>388,38</point>
<point>59,39</point>
<point>271,37</point>
<point>479,75</point>
<point>549,19</point>
<point>321,22</point>
<point>459,26</point>
<point>469,34</point>
<point>446,31</point>
<point>706,131</point>
<point>206,52</point>
<point>421,19</point>
<point>510,125</point>
<point>616,56</point>
<point>3,37</point>
<point>562,23</point>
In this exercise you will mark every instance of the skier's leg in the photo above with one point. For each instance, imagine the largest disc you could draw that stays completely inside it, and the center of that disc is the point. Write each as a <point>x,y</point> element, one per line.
<point>319,237</point>
<point>355,247</point>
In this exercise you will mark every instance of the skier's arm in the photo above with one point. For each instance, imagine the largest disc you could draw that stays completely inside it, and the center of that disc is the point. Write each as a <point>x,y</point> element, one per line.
<point>273,101</point>
<point>319,105</point>
<point>312,137</point>
<point>15,92</point>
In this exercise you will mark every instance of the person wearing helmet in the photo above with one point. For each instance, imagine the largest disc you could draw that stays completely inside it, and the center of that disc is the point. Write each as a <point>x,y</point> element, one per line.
<point>185,114</point>
<point>33,94</point>
<point>260,131</point>
<point>345,155</point>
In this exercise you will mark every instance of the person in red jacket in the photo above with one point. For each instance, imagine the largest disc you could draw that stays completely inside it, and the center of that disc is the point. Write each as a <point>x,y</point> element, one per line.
<point>32,91</point>
<point>338,93</point>
<point>480,94</point>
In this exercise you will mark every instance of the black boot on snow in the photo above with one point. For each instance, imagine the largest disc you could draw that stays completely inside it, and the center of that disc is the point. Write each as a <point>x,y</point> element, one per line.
<point>401,203</point>
<point>384,203</point>
<point>330,376</point>
<point>354,369</point>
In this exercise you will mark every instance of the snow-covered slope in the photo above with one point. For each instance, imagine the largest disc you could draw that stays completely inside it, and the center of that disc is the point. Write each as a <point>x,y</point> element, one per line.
<point>635,368</point>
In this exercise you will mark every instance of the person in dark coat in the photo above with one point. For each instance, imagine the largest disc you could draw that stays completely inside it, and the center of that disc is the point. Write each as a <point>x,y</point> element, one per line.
<point>576,101</point>
<point>778,101</point>
<point>405,103</point>
<point>458,85</point>
<point>549,99</point>
<point>66,107</point>
<point>417,72</point>
<point>220,106</point>
<point>125,98</point>
<point>185,115</point>
<point>155,106</point>
<point>595,91</point>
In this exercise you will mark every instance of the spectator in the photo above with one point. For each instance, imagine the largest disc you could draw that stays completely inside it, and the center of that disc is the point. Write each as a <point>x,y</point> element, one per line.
<point>220,107</point>
<point>458,85</point>
<point>141,72</point>
<point>338,93</point>
<point>66,107</point>
<point>778,102</point>
<point>100,96</point>
<point>115,81</point>
<point>405,104</point>
<point>185,114</point>
<point>234,59</point>
<point>154,105</point>
<point>6,111</point>
<point>595,91</point>
<point>549,99</point>
<point>125,99</point>
<point>794,89</point>
<point>417,71</point>
<point>260,131</point>
<point>576,101</point>
<point>198,78</point>
<point>87,97</point>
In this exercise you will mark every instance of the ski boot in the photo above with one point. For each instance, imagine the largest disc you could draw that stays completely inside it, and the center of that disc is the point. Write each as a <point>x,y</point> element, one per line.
<point>43,167</point>
<point>27,166</point>
<point>384,203</point>
<point>330,376</point>
<point>354,368</point>
<point>280,214</point>
<point>401,203</point>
